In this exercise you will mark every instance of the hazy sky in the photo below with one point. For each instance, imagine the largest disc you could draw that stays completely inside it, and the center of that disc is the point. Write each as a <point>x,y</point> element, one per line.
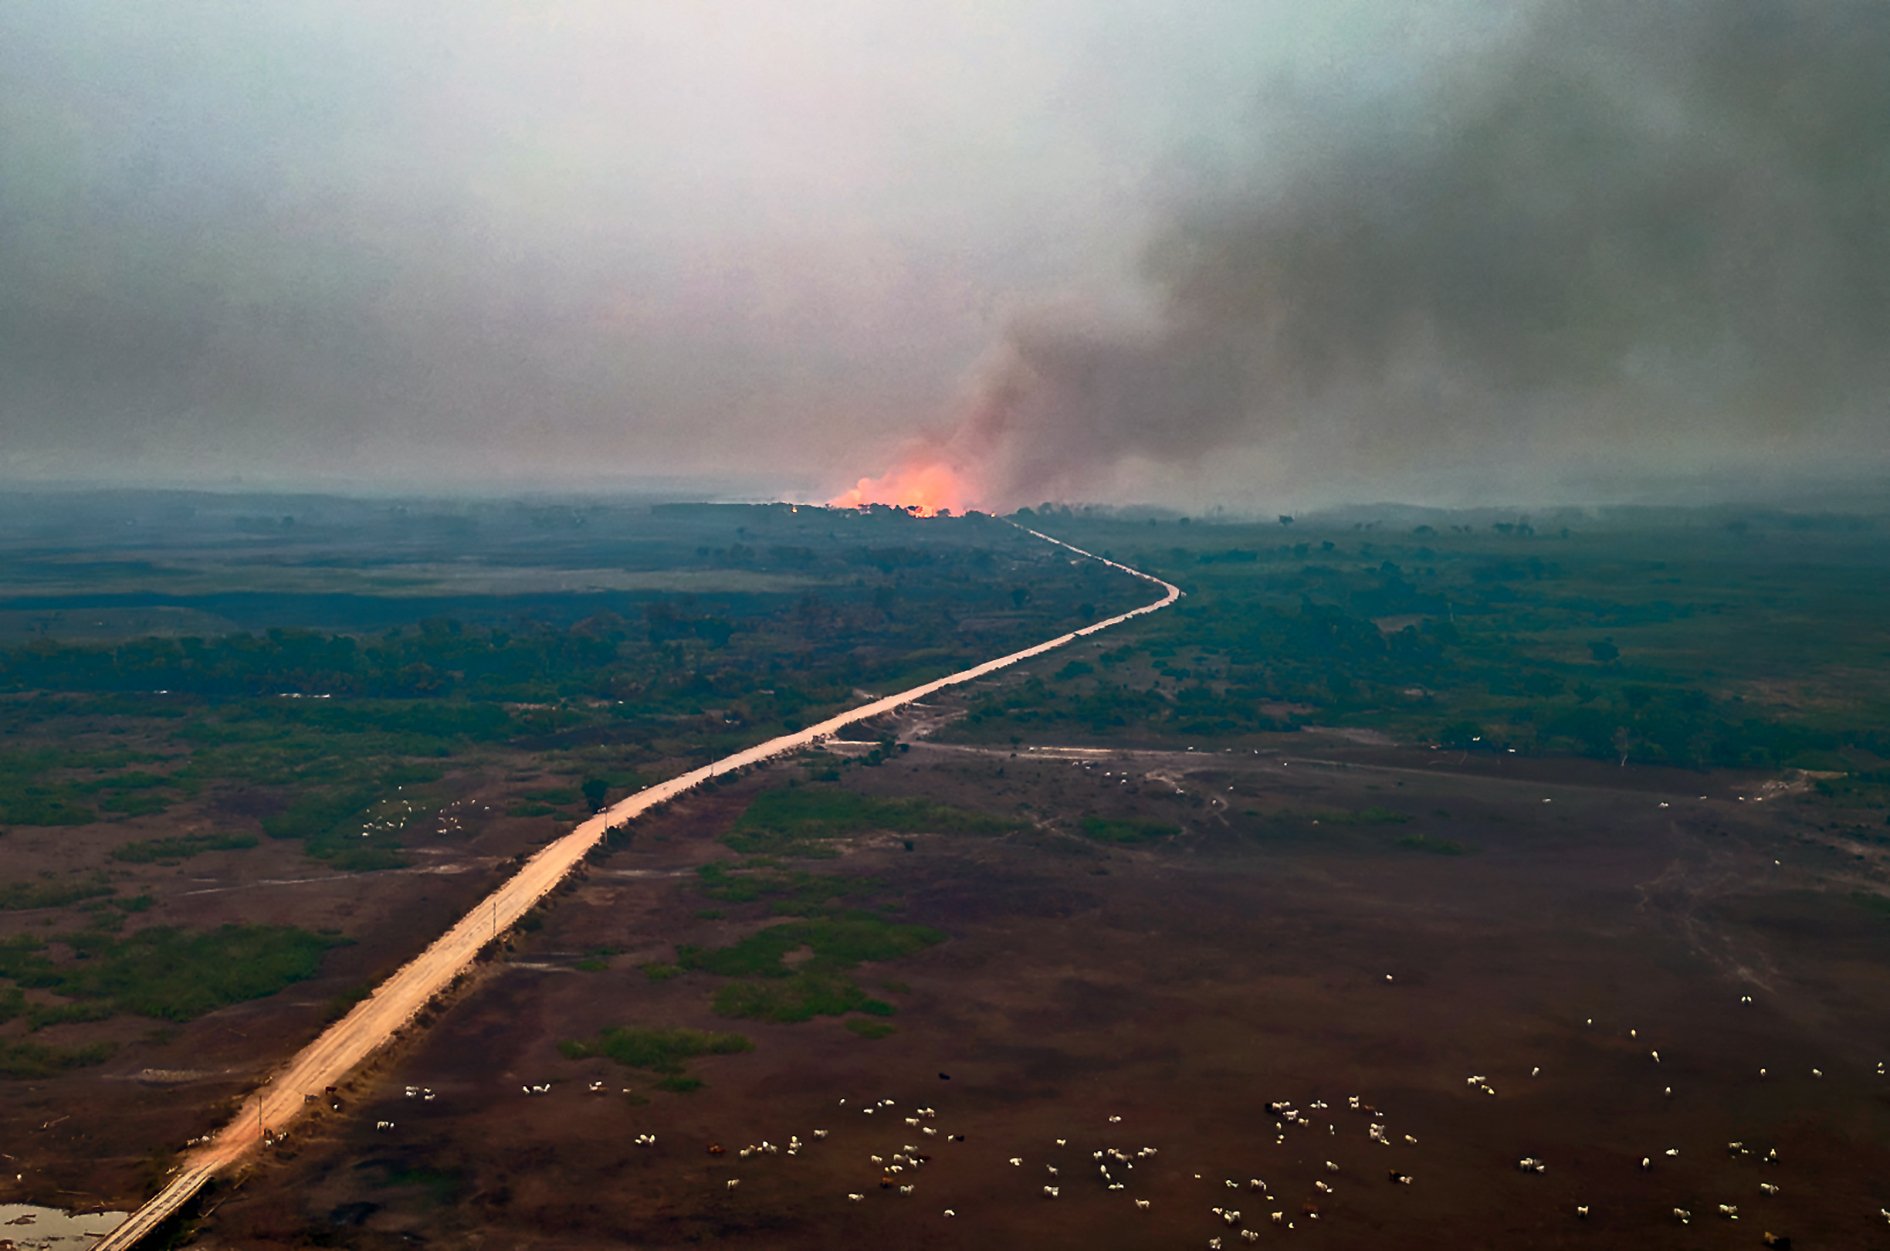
<point>1267,249</point>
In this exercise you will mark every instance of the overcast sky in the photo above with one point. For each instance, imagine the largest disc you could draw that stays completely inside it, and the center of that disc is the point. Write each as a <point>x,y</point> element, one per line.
<point>1263,250</point>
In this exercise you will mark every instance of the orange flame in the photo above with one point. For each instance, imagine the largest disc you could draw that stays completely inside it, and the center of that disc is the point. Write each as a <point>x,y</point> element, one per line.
<point>925,489</point>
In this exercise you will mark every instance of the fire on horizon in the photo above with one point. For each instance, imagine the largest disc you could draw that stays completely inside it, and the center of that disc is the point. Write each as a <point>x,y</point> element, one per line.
<point>924,488</point>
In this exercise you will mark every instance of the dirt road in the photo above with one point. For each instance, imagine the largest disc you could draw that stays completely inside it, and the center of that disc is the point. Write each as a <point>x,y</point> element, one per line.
<point>324,1062</point>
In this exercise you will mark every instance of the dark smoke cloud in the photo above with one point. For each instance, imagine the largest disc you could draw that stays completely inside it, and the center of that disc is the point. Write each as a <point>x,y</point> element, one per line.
<point>1630,236</point>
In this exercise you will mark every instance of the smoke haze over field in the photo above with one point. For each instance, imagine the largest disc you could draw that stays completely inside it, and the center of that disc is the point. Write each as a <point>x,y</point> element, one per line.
<point>1286,251</point>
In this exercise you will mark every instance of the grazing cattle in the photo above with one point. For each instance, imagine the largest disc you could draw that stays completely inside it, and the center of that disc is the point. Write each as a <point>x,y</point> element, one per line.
<point>1141,1205</point>
<point>1581,1211</point>
<point>1778,1241</point>
<point>732,1182</point>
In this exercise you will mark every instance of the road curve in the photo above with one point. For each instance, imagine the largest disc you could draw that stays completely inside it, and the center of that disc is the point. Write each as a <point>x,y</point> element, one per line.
<point>395,1001</point>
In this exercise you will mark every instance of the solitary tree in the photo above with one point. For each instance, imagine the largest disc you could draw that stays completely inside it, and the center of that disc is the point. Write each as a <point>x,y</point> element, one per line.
<point>594,791</point>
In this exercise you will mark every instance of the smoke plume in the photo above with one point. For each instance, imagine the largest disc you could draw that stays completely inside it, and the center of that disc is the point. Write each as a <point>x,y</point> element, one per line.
<point>1628,235</point>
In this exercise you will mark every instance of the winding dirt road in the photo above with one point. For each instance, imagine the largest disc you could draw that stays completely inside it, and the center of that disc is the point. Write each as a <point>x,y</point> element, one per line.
<point>394,1003</point>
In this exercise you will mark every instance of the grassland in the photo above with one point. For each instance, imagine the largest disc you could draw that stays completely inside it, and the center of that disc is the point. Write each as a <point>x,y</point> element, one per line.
<point>164,972</point>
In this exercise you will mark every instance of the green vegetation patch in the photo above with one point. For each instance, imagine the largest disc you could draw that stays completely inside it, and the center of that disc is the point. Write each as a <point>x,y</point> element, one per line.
<point>798,970</point>
<point>328,821</point>
<point>1126,831</point>
<point>866,1027</point>
<point>787,819</point>
<point>42,805</point>
<point>52,892</point>
<point>440,1186</point>
<point>168,973</point>
<point>802,996</point>
<point>180,848</point>
<point>664,1051</point>
<point>838,942</point>
<point>69,785</point>
<point>41,1015</point>
<point>30,1059</point>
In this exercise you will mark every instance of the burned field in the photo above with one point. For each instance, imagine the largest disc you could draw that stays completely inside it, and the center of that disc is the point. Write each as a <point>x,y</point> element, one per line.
<point>1480,884</point>
<point>225,815</point>
<point>1267,981</point>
